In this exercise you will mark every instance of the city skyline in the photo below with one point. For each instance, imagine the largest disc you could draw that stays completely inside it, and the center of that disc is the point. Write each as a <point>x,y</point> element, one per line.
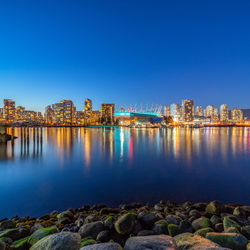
<point>121,52</point>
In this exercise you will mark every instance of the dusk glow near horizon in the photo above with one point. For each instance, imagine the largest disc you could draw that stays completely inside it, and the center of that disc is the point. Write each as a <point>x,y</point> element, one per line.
<point>124,52</point>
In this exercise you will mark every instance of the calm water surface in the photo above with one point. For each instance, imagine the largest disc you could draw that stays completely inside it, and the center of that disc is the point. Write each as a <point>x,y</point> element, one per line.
<point>58,168</point>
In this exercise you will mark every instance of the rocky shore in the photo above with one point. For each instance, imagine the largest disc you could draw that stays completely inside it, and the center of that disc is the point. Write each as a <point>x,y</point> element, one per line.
<point>164,225</point>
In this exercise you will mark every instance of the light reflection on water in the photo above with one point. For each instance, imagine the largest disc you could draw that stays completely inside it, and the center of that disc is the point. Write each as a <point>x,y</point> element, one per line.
<point>56,168</point>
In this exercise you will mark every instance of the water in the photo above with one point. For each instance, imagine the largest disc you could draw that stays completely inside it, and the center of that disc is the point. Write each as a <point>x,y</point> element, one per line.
<point>58,168</point>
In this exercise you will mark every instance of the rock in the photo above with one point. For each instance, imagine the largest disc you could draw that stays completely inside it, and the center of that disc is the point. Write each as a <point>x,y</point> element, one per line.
<point>202,222</point>
<point>65,214</point>
<point>7,224</point>
<point>215,207</point>
<point>160,227</point>
<point>231,230</point>
<point>146,232</point>
<point>91,229</point>
<point>248,246</point>
<point>109,222</point>
<point>193,242</point>
<point>6,240</point>
<point>215,219</point>
<point>195,213</point>
<point>103,246</point>
<point>136,228</point>
<point>22,244</point>
<point>147,219</point>
<point>59,241</point>
<point>173,219</point>
<point>103,236</point>
<point>246,231</point>
<point>180,215</point>
<point>2,245</point>
<point>150,242</point>
<point>202,232</point>
<point>125,223</point>
<point>41,233</point>
<point>12,233</point>
<point>238,211</point>
<point>173,229</point>
<point>87,241</point>
<point>90,219</point>
<point>185,227</point>
<point>219,227</point>
<point>159,207</point>
<point>35,227</point>
<point>229,240</point>
<point>227,222</point>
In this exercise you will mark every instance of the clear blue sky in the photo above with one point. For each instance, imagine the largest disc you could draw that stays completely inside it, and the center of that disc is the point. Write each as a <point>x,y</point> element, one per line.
<point>125,52</point>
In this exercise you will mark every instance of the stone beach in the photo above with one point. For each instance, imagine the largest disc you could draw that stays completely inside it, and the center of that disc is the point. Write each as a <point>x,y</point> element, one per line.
<point>165,225</point>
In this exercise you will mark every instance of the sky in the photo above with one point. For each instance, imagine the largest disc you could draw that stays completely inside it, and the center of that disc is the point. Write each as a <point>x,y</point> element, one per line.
<point>125,52</point>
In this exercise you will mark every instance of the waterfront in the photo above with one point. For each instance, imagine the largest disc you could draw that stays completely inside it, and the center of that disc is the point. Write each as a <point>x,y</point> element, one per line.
<point>58,168</point>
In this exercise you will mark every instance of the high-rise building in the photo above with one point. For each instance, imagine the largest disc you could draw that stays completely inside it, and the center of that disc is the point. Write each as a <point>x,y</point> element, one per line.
<point>216,114</point>
<point>209,112</point>
<point>19,113</point>
<point>68,112</point>
<point>107,113</point>
<point>176,112</point>
<point>49,115</point>
<point>188,110</point>
<point>198,111</point>
<point>87,111</point>
<point>167,111</point>
<point>224,114</point>
<point>236,115</point>
<point>64,112</point>
<point>9,110</point>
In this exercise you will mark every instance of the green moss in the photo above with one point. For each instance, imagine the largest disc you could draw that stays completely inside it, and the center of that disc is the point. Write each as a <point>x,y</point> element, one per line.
<point>125,223</point>
<point>22,243</point>
<point>229,240</point>
<point>173,230</point>
<point>203,231</point>
<point>6,240</point>
<point>227,222</point>
<point>41,233</point>
<point>87,241</point>
<point>109,222</point>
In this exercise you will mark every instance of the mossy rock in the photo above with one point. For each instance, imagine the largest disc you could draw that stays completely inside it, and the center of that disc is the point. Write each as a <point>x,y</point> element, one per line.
<point>6,240</point>
<point>227,222</point>
<point>248,246</point>
<point>203,231</point>
<point>215,207</point>
<point>229,240</point>
<point>125,223</point>
<point>173,230</point>
<point>87,241</point>
<point>202,222</point>
<point>109,222</point>
<point>232,230</point>
<point>246,231</point>
<point>22,244</point>
<point>13,233</point>
<point>41,233</point>
<point>161,227</point>
<point>2,245</point>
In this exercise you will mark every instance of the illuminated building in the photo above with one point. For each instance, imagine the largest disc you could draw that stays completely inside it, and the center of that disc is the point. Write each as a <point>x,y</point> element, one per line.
<point>9,110</point>
<point>167,111</point>
<point>19,113</point>
<point>95,117</point>
<point>236,115</point>
<point>188,110</point>
<point>64,112</point>
<point>107,113</point>
<point>87,111</point>
<point>198,111</point>
<point>209,112</point>
<point>216,114</point>
<point>57,113</point>
<point>80,117</point>
<point>224,114</point>
<point>176,112</point>
<point>68,112</point>
<point>39,117</point>
<point>49,115</point>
